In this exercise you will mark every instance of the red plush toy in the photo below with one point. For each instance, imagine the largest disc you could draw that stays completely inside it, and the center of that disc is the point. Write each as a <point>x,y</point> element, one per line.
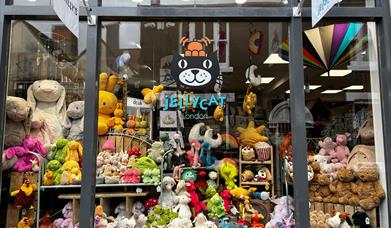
<point>226,196</point>
<point>195,202</point>
<point>134,152</point>
<point>255,221</point>
<point>150,203</point>
<point>201,180</point>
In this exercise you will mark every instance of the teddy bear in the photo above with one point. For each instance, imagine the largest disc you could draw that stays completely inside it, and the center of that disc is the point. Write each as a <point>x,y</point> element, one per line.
<point>73,129</point>
<point>74,151</point>
<point>341,150</point>
<point>118,118</point>
<point>107,103</point>
<point>156,151</point>
<point>342,188</point>
<point>323,193</point>
<point>110,174</point>
<point>327,147</point>
<point>247,175</point>
<point>18,121</point>
<point>318,219</point>
<point>183,208</point>
<point>367,187</point>
<point>48,98</point>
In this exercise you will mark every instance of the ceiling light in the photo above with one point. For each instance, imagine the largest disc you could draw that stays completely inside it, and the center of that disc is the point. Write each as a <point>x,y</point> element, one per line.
<point>288,91</point>
<point>266,80</point>
<point>354,87</point>
<point>331,91</point>
<point>313,87</point>
<point>137,1</point>
<point>336,73</point>
<point>240,1</point>
<point>274,58</point>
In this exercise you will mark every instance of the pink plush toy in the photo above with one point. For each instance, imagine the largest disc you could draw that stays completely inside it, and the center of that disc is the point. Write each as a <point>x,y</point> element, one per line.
<point>327,147</point>
<point>41,131</point>
<point>195,202</point>
<point>9,159</point>
<point>341,151</point>
<point>34,145</point>
<point>65,222</point>
<point>23,163</point>
<point>131,176</point>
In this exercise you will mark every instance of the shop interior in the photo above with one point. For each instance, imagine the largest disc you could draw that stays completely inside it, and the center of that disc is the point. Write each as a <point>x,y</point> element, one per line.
<point>167,159</point>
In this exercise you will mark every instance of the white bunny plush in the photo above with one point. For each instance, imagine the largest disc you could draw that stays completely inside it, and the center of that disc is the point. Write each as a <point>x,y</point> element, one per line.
<point>73,129</point>
<point>47,97</point>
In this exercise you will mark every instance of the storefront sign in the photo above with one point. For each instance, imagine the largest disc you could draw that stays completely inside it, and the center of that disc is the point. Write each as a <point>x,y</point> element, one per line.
<point>195,68</point>
<point>320,8</point>
<point>196,102</point>
<point>68,12</point>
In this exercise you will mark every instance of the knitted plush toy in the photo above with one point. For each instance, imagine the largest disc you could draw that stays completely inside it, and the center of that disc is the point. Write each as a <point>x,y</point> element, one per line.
<point>228,170</point>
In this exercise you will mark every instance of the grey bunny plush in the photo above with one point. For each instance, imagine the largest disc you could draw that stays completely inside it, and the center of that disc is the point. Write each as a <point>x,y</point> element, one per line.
<point>74,121</point>
<point>18,121</point>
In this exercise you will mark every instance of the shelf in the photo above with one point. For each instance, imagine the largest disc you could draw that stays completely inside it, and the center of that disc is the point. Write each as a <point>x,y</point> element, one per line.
<point>105,195</point>
<point>98,186</point>
<point>255,183</point>
<point>256,162</point>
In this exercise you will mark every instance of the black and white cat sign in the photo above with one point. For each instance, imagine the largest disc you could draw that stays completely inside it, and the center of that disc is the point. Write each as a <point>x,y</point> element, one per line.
<point>195,68</point>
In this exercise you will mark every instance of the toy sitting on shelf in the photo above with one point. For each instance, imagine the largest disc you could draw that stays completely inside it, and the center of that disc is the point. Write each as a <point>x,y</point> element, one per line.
<point>25,195</point>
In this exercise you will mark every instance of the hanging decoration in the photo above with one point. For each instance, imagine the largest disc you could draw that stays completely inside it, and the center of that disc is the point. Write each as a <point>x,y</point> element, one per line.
<point>329,46</point>
<point>255,42</point>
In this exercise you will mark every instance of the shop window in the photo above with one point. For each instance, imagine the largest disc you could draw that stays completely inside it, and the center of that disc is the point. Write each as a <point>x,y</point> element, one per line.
<point>345,141</point>
<point>197,3</point>
<point>44,124</point>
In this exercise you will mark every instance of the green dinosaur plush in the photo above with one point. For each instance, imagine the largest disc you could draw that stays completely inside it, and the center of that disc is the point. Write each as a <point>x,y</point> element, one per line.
<point>215,207</point>
<point>59,150</point>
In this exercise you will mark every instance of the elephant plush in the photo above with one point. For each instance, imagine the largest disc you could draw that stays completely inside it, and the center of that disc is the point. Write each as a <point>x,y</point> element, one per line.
<point>47,97</point>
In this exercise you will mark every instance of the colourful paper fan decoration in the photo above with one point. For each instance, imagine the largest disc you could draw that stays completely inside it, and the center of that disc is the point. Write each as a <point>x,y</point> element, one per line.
<point>255,42</point>
<point>328,46</point>
<point>229,141</point>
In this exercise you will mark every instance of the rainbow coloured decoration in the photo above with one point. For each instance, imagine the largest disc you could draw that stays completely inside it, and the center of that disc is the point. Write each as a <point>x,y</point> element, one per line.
<point>255,42</point>
<point>329,46</point>
<point>230,142</point>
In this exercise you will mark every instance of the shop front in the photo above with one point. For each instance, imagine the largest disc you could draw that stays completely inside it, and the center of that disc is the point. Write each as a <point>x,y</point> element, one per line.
<point>195,114</point>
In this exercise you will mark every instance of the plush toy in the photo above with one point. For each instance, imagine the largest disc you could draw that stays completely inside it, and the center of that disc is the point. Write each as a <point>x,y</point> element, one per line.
<point>189,175</point>
<point>282,210</point>
<point>183,208</point>
<point>247,175</point>
<point>228,170</point>
<point>318,219</point>
<point>360,155</point>
<point>151,95</point>
<point>367,187</point>
<point>18,121</point>
<point>107,103</point>
<point>74,152</point>
<point>323,192</point>
<point>59,151</point>
<point>361,219</point>
<point>263,175</point>
<point>327,147</point>
<point>263,151</point>
<point>25,195</point>
<point>193,154</point>
<point>23,159</point>
<point>215,207</point>
<point>338,220</point>
<point>200,220</point>
<point>213,138</point>
<point>218,114</point>
<point>248,153</point>
<point>45,221</point>
<point>212,179</point>
<point>34,145</point>
<point>198,205</point>
<point>66,221</point>
<point>180,223</point>
<point>48,98</point>
<point>226,197</point>
<point>71,173</point>
<point>9,158</point>
<point>341,150</point>
<point>151,176</point>
<point>342,188</point>
<point>249,102</point>
<point>366,131</point>
<point>181,189</point>
<point>207,159</point>
<point>25,222</point>
<point>167,196</point>
<point>286,145</point>
<point>131,125</point>
<point>53,173</point>
<point>75,121</point>
<point>110,174</point>
<point>41,131</point>
<point>118,118</point>
<point>156,151</point>
<point>131,176</point>
<point>201,182</point>
<point>251,135</point>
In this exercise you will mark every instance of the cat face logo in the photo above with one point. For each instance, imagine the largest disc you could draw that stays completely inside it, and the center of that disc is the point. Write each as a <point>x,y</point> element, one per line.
<point>195,68</point>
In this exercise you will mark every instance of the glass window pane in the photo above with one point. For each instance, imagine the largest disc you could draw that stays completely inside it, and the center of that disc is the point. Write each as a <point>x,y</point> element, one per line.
<point>44,123</point>
<point>197,3</point>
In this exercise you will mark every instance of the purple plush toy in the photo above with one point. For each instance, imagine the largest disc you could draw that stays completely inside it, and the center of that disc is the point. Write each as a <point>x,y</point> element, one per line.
<point>65,222</point>
<point>283,213</point>
<point>22,164</point>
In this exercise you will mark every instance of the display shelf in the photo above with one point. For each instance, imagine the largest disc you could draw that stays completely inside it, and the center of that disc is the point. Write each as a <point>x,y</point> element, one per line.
<point>255,183</point>
<point>98,186</point>
<point>256,162</point>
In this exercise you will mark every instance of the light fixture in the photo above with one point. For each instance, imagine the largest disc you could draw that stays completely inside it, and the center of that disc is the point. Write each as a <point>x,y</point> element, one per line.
<point>354,87</point>
<point>336,73</point>
<point>311,87</point>
<point>240,1</point>
<point>137,1</point>
<point>288,91</point>
<point>274,58</point>
<point>331,91</point>
<point>266,80</point>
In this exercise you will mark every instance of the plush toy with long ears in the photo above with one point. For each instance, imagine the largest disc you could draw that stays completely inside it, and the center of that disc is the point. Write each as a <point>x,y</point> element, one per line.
<point>228,170</point>
<point>193,154</point>
<point>151,95</point>
<point>75,121</point>
<point>40,130</point>
<point>74,151</point>
<point>118,118</point>
<point>198,205</point>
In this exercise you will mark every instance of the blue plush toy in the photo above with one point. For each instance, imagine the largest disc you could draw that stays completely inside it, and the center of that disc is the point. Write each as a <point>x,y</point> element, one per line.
<point>189,175</point>
<point>226,223</point>
<point>207,160</point>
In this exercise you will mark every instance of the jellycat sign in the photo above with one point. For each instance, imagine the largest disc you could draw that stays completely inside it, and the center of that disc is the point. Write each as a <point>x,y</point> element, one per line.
<point>196,101</point>
<point>195,68</point>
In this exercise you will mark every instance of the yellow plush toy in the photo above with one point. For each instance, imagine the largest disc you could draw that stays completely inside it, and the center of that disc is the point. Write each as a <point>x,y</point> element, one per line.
<point>71,173</point>
<point>118,118</point>
<point>74,151</point>
<point>151,95</point>
<point>48,178</point>
<point>249,102</point>
<point>219,114</point>
<point>107,104</point>
<point>251,135</point>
